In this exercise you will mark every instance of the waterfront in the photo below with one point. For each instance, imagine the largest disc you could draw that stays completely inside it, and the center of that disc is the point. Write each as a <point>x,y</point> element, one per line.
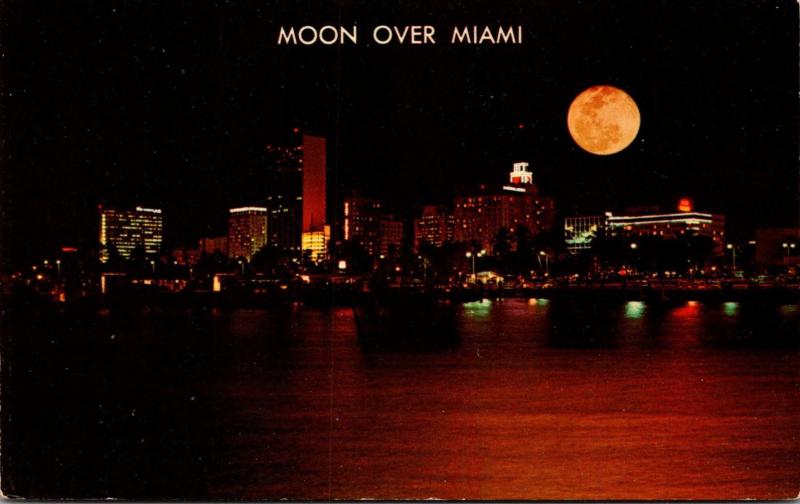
<point>535,398</point>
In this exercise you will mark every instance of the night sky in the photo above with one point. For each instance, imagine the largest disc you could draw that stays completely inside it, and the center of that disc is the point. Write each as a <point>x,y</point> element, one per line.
<point>171,103</point>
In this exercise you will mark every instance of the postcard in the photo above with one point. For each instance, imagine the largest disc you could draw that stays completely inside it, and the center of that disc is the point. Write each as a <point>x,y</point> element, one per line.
<point>344,250</point>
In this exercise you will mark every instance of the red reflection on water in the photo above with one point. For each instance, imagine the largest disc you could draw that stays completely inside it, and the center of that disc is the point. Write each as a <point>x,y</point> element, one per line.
<point>505,416</point>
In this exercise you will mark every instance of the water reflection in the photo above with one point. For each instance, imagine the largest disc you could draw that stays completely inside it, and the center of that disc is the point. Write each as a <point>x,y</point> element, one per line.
<point>478,309</point>
<point>685,400</point>
<point>634,309</point>
<point>730,308</point>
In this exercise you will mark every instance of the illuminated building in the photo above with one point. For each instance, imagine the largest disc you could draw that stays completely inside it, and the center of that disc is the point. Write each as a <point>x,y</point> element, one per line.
<point>247,231</point>
<point>480,215</point>
<point>435,226</point>
<point>315,243</point>
<point>296,190</point>
<point>580,231</point>
<point>127,230</point>
<point>391,234</point>
<point>313,183</point>
<point>639,223</point>
<point>362,218</point>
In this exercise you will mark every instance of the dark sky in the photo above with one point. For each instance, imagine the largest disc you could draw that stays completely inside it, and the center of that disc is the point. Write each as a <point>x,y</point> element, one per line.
<point>171,103</point>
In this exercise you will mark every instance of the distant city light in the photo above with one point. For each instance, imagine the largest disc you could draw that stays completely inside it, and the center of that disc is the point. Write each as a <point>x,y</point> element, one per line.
<point>248,209</point>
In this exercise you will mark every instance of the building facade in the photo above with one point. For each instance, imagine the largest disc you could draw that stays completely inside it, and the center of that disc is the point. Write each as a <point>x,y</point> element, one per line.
<point>390,235</point>
<point>247,231</point>
<point>315,244</point>
<point>479,217</point>
<point>362,218</point>
<point>435,226</point>
<point>128,230</point>
<point>579,232</point>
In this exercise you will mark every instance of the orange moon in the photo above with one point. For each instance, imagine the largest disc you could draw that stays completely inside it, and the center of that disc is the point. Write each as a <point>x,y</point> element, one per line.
<point>603,120</point>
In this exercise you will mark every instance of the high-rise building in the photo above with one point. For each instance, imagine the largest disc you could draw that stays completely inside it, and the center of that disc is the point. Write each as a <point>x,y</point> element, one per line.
<point>313,183</point>
<point>296,190</point>
<point>435,226</point>
<point>247,231</point>
<point>479,215</point>
<point>390,234</point>
<point>128,230</point>
<point>362,218</point>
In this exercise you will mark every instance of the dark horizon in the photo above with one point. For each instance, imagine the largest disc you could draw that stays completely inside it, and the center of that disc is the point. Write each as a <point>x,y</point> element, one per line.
<point>171,106</point>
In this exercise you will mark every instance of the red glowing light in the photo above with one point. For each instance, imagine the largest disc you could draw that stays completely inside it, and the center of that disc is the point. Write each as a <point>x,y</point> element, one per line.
<point>296,130</point>
<point>685,205</point>
<point>521,126</point>
<point>69,249</point>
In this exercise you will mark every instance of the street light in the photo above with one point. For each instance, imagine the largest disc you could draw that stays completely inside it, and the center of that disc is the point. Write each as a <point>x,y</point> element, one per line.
<point>471,255</point>
<point>58,267</point>
<point>153,266</point>
<point>544,254</point>
<point>634,246</point>
<point>733,253</point>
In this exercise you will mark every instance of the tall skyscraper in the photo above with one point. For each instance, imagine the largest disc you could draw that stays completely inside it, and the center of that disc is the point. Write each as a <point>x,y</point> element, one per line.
<point>127,230</point>
<point>313,183</point>
<point>296,190</point>
<point>247,231</point>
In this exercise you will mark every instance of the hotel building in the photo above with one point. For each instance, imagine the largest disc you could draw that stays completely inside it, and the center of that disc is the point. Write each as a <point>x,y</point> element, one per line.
<point>480,215</point>
<point>247,231</point>
<point>580,231</point>
<point>127,230</point>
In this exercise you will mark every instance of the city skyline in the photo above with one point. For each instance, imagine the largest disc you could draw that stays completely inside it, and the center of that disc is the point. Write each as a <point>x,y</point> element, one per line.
<point>154,121</point>
<point>347,249</point>
<point>520,177</point>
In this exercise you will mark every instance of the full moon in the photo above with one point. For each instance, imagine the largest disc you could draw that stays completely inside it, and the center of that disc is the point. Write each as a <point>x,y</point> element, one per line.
<point>603,120</point>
